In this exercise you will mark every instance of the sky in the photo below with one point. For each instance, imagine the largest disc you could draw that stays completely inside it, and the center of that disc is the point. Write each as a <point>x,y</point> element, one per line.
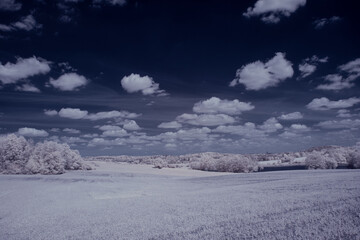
<point>115,77</point>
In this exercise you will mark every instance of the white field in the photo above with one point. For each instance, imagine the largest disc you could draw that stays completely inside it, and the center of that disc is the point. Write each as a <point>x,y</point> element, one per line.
<point>121,201</point>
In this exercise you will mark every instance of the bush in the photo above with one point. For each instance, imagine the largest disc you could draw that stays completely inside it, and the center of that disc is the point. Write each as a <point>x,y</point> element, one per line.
<point>18,156</point>
<point>316,160</point>
<point>231,163</point>
<point>354,159</point>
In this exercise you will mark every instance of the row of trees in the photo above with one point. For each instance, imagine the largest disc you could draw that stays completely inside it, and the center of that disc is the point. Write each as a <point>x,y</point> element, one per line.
<point>19,156</point>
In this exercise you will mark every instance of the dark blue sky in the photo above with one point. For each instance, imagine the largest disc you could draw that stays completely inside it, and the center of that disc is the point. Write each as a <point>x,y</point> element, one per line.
<point>171,77</point>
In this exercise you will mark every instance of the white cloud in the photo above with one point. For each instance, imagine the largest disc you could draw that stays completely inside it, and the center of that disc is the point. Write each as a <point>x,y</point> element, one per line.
<point>325,104</point>
<point>27,87</point>
<point>71,130</point>
<point>69,82</point>
<point>135,83</point>
<point>27,23</point>
<point>259,75</point>
<point>49,112</point>
<point>271,125</point>
<point>299,127</point>
<point>76,113</point>
<point>109,128</point>
<point>23,68</point>
<point>320,23</point>
<point>72,113</point>
<point>32,132</point>
<point>344,79</point>
<point>335,82</point>
<point>187,135</point>
<point>291,116</point>
<point>115,133</point>
<point>248,130</point>
<point>111,114</point>
<point>272,10</point>
<point>335,124</point>
<point>9,5</point>
<point>172,124</point>
<point>216,105</point>
<point>309,65</point>
<point>205,119</point>
<point>344,113</point>
<point>131,125</point>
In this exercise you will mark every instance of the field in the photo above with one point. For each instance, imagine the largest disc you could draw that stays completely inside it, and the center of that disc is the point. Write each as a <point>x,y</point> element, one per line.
<point>122,201</point>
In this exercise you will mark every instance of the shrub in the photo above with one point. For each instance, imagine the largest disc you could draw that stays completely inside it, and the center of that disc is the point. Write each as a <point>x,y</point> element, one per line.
<point>316,160</point>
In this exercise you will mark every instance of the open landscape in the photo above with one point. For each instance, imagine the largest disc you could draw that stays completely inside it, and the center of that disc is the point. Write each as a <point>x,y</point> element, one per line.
<point>169,120</point>
<point>123,201</point>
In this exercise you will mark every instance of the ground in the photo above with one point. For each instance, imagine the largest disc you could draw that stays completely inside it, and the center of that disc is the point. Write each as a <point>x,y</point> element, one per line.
<point>122,201</point>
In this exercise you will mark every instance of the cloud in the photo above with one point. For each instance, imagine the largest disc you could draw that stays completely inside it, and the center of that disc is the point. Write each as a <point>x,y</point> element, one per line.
<point>325,104</point>
<point>27,87</point>
<point>111,114</point>
<point>50,112</point>
<point>248,130</point>
<point>135,83</point>
<point>32,132</point>
<point>259,75</point>
<point>115,133</point>
<point>299,127</point>
<point>76,113</point>
<point>23,68</point>
<point>27,23</point>
<point>68,82</point>
<point>348,73</point>
<point>309,65</point>
<point>216,105</point>
<point>320,23</point>
<point>205,119</point>
<point>71,130</point>
<point>272,10</point>
<point>186,135</point>
<point>291,116</point>
<point>335,82</point>
<point>172,124</point>
<point>110,2</point>
<point>72,113</point>
<point>9,5</point>
<point>131,125</point>
<point>345,113</point>
<point>271,125</point>
<point>335,124</point>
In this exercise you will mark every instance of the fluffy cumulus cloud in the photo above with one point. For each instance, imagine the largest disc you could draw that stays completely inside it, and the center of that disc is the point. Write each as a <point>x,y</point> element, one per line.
<point>69,82</point>
<point>135,83</point>
<point>72,113</point>
<point>326,104</point>
<point>344,113</point>
<point>345,78</point>
<point>50,112</point>
<point>272,10</point>
<point>131,125</point>
<point>71,130</point>
<point>299,127</point>
<point>32,132</point>
<point>322,22</point>
<point>271,125</point>
<point>9,5</point>
<point>205,119</point>
<point>248,130</point>
<point>27,87</point>
<point>216,105</point>
<point>259,75</point>
<point>22,69</point>
<point>309,65</point>
<point>291,116</point>
<point>27,23</point>
<point>172,124</point>
<point>338,124</point>
<point>76,113</point>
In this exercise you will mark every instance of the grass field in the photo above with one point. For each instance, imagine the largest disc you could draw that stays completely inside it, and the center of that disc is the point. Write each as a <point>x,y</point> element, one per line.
<point>119,201</point>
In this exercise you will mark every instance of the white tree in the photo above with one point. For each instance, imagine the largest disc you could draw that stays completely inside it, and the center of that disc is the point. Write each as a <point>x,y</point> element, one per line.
<point>14,153</point>
<point>317,160</point>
